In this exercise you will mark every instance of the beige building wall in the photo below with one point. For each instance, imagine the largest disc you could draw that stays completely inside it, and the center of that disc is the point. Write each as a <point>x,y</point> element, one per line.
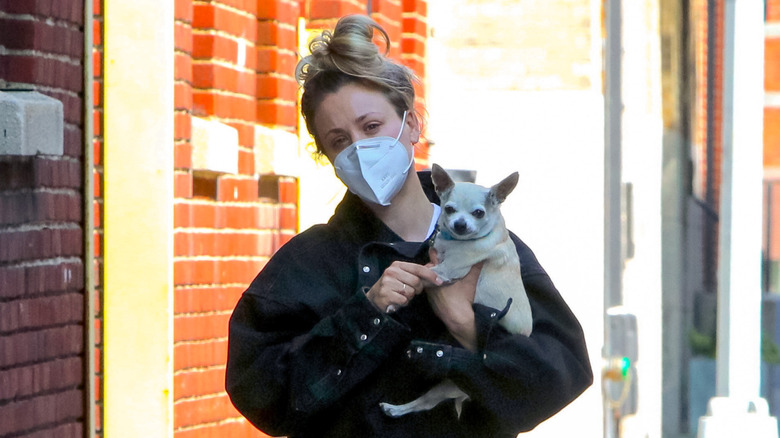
<point>516,86</point>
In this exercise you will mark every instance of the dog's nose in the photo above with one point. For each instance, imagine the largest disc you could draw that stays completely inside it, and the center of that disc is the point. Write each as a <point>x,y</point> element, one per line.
<point>461,227</point>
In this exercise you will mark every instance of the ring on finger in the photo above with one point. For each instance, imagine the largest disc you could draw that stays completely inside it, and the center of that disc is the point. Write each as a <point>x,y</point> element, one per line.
<point>404,289</point>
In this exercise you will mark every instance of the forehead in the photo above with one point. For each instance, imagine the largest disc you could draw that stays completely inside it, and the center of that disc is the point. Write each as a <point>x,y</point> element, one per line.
<point>347,104</point>
<point>468,194</point>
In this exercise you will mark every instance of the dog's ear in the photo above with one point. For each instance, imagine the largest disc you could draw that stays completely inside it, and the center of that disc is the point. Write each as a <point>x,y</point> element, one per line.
<point>501,190</point>
<point>441,180</point>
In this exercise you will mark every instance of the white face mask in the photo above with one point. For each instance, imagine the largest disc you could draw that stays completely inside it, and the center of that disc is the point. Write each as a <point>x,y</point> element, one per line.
<point>374,168</point>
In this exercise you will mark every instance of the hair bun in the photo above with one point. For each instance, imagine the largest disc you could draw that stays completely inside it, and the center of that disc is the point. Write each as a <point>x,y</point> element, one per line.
<point>349,49</point>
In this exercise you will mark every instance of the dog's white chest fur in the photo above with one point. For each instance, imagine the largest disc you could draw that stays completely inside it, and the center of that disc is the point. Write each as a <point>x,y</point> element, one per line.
<point>471,231</point>
<point>500,279</point>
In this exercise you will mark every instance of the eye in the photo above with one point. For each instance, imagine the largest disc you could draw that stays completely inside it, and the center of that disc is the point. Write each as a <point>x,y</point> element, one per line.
<point>339,143</point>
<point>449,209</point>
<point>372,127</point>
<point>478,213</point>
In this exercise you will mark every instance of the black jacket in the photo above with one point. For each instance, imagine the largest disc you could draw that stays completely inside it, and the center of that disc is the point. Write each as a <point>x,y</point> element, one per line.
<point>310,356</point>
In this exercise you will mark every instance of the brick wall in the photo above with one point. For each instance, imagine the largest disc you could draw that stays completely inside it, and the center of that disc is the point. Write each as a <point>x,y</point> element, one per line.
<point>96,57</point>
<point>229,55</point>
<point>41,244</point>
<point>772,86</point>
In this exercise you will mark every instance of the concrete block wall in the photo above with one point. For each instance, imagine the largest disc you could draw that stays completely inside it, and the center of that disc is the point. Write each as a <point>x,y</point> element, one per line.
<point>41,231</point>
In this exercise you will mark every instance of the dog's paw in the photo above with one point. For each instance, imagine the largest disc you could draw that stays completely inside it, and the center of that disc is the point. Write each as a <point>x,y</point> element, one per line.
<point>393,410</point>
<point>442,275</point>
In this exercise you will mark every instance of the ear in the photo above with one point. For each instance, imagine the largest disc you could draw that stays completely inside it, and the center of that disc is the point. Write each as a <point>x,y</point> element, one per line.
<point>501,190</point>
<point>413,122</point>
<point>441,180</point>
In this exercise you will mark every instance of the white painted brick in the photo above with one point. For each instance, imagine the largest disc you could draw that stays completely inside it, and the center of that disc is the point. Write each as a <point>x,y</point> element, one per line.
<point>214,146</point>
<point>30,123</point>
<point>276,151</point>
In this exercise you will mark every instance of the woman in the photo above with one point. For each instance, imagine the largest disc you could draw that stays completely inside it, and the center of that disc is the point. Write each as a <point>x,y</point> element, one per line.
<point>349,314</point>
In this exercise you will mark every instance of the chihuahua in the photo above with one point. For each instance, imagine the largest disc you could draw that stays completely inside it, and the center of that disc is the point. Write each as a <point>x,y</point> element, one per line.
<point>471,231</point>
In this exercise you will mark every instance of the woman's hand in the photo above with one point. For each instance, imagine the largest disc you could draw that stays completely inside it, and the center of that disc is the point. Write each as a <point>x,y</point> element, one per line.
<point>400,282</point>
<point>453,305</point>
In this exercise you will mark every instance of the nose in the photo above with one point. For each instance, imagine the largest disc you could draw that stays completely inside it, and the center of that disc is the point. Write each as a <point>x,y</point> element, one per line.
<point>460,227</point>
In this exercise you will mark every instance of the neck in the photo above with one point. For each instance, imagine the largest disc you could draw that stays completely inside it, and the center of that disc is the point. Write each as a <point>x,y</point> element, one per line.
<point>409,214</point>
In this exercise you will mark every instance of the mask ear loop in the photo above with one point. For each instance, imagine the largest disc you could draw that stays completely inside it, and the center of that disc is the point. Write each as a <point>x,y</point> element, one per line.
<point>397,139</point>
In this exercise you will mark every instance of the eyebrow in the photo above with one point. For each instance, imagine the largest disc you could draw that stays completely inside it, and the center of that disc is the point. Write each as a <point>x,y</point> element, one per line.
<point>357,120</point>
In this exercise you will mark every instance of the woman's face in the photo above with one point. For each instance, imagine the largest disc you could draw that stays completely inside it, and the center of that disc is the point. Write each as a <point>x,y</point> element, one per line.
<point>355,112</point>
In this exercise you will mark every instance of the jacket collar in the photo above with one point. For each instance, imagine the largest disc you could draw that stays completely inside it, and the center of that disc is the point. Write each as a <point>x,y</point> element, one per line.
<point>361,224</point>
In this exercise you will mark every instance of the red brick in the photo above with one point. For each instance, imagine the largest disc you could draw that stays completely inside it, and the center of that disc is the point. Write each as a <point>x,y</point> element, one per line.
<point>204,215</point>
<point>188,355</point>
<point>182,184</point>
<point>246,161</point>
<point>288,190</point>
<point>239,189</point>
<point>33,379</point>
<point>40,36</point>
<point>53,277</point>
<point>233,271</point>
<point>772,64</point>
<point>276,87</point>
<point>214,16</point>
<point>40,345</point>
<point>327,9</point>
<point>286,11</point>
<point>200,299</point>
<point>182,155</point>
<point>27,414</point>
<point>270,33</point>
<point>773,10</point>
<point>68,430</point>
<point>246,137</point>
<point>182,37</point>
<point>195,272</point>
<point>416,26</point>
<point>182,66</point>
<point>202,410</point>
<point>772,137</point>
<point>237,427</point>
<point>97,64</point>
<point>288,217</point>
<point>200,327</point>
<point>419,6</point>
<point>223,105</point>
<point>182,95</point>
<point>182,125</point>
<point>182,10</point>
<point>182,214</point>
<point>41,71</point>
<point>272,112</point>
<point>273,59</point>
<point>221,77</point>
<point>189,384</point>
<point>37,312</point>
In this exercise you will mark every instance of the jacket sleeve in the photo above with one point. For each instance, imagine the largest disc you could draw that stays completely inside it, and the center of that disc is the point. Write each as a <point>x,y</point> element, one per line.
<point>515,382</point>
<point>286,361</point>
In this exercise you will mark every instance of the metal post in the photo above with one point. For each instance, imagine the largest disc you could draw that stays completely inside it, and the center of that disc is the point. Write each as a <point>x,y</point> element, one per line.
<point>613,113</point>
<point>737,410</point>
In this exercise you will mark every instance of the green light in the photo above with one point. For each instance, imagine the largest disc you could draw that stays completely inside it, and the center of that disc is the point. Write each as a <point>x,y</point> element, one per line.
<point>625,365</point>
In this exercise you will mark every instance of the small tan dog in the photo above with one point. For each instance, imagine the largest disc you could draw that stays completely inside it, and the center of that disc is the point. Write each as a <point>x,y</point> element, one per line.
<point>472,230</point>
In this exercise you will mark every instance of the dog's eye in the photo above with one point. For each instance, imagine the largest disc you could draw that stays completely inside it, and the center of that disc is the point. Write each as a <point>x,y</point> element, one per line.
<point>449,209</point>
<point>478,213</point>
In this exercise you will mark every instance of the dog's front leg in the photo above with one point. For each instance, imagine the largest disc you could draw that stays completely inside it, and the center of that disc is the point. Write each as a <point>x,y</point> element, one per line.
<point>443,391</point>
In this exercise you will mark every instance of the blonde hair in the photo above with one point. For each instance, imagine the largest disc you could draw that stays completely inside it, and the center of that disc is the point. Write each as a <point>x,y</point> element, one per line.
<point>348,55</point>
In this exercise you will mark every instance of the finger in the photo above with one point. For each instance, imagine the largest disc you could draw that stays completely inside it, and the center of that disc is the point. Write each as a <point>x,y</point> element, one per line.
<point>412,274</point>
<point>433,255</point>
